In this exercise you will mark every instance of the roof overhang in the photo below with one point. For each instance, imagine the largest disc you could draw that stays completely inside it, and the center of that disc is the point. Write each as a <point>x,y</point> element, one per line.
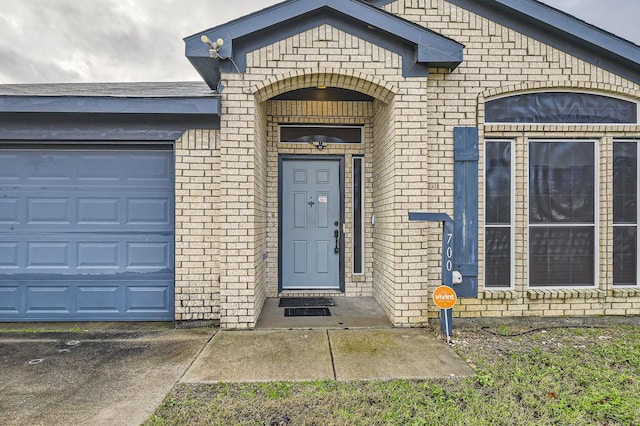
<point>419,47</point>
<point>111,105</point>
<point>36,117</point>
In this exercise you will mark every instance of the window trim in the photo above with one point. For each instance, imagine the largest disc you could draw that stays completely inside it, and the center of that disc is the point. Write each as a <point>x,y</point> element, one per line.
<point>596,215</point>
<point>561,90</point>
<point>512,221</point>
<point>637,225</point>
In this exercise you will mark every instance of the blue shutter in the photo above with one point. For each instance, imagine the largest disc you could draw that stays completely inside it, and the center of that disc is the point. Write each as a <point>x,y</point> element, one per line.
<point>465,244</point>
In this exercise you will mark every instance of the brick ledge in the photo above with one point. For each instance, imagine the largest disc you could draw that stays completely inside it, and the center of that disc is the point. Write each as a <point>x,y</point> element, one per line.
<point>626,292</point>
<point>539,294</point>
<point>499,294</point>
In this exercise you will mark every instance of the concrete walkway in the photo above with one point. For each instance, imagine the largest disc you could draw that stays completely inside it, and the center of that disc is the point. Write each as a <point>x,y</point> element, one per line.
<point>299,355</point>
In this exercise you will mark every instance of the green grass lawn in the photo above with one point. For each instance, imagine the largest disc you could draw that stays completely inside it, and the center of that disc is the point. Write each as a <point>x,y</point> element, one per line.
<point>559,376</point>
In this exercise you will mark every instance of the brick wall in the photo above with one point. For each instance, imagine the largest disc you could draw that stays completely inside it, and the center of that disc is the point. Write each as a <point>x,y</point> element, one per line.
<point>384,274</point>
<point>197,233</point>
<point>239,208</point>
<point>409,158</point>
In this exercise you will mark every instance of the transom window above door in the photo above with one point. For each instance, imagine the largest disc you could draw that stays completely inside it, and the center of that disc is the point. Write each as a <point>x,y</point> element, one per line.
<point>320,134</point>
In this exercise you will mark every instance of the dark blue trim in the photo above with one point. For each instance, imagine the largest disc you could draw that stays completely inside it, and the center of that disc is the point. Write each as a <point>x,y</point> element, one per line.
<point>105,117</point>
<point>420,48</point>
<point>448,238</point>
<point>562,31</point>
<point>430,217</point>
<point>209,70</point>
<point>465,218</point>
<point>100,127</point>
<point>112,105</point>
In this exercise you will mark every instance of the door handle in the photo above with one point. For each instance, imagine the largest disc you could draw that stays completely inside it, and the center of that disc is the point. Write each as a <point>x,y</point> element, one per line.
<point>336,235</point>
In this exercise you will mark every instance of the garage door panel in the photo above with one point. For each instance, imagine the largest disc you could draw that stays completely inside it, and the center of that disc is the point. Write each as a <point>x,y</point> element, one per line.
<point>9,255</point>
<point>10,171</point>
<point>101,169</point>
<point>150,298</point>
<point>88,254</point>
<point>98,168</point>
<point>150,167</point>
<point>50,168</point>
<point>48,299</point>
<point>9,210</point>
<point>149,211</point>
<point>10,300</point>
<point>135,210</point>
<point>102,211</point>
<point>47,255</point>
<point>86,235</point>
<point>48,210</point>
<point>145,255</point>
<point>99,255</point>
<point>102,299</point>
<point>62,298</point>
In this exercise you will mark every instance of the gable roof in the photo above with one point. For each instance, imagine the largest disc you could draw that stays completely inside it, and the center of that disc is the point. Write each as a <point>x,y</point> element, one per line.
<point>419,47</point>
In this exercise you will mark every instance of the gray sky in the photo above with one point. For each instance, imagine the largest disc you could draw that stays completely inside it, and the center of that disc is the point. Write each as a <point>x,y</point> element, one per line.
<point>44,41</point>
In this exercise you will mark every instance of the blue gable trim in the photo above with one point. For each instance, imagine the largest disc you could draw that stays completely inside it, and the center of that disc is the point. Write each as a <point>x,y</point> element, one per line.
<point>209,70</point>
<point>562,31</point>
<point>419,47</point>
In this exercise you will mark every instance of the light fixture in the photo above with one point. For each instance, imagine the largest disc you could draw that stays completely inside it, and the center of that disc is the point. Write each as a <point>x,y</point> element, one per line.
<point>214,47</point>
<point>319,145</point>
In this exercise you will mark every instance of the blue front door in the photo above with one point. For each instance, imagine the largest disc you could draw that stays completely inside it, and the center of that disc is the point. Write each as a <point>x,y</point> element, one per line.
<point>311,224</point>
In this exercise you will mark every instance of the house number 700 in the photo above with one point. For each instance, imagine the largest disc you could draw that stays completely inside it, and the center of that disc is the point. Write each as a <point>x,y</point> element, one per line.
<point>449,252</point>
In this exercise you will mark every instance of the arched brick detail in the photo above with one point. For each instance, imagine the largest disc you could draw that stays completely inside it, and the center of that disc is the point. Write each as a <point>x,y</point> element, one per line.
<point>300,79</point>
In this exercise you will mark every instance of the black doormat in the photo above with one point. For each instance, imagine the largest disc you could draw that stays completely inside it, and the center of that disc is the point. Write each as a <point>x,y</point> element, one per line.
<point>305,302</point>
<point>307,312</point>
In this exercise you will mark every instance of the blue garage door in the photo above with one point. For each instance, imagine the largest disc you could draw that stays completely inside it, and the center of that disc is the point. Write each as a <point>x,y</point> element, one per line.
<point>86,235</point>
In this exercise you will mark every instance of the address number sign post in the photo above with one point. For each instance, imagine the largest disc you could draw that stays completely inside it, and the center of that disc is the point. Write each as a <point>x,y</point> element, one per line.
<point>443,301</point>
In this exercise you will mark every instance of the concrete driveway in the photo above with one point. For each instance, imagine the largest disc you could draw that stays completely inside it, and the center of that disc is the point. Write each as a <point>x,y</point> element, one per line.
<point>103,377</point>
